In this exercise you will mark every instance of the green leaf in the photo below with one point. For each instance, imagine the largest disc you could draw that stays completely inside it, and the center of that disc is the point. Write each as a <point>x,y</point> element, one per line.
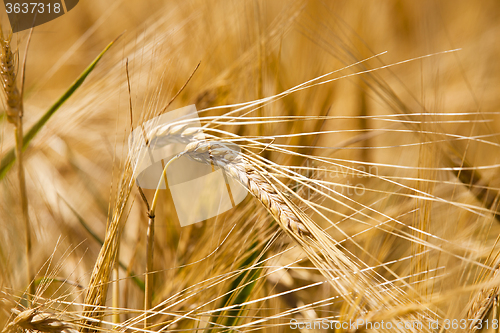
<point>10,157</point>
<point>239,291</point>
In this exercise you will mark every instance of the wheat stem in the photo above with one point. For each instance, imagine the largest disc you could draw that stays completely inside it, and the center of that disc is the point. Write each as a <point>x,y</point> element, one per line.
<point>15,116</point>
<point>148,280</point>
<point>24,204</point>
<point>148,295</point>
<point>116,287</point>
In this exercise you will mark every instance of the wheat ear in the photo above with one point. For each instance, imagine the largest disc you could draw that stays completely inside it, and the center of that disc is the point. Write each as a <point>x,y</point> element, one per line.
<point>97,288</point>
<point>35,320</point>
<point>15,116</point>
<point>482,304</point>
<point>321,250</point>
<point>225,156</point>
<point>343,274</point>
<point>233,163</point>
<point>8,72</point>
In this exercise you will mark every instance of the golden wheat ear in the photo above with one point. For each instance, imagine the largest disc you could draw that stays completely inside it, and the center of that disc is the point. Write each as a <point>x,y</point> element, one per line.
<point>8,66</point>
<point>14,111</point>
<point>339,269</point>
<point>35,320</point>
<point>483,303</point>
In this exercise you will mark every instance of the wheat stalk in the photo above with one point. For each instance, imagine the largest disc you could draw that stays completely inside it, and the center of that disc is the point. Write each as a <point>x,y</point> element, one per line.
<point>15,116</point>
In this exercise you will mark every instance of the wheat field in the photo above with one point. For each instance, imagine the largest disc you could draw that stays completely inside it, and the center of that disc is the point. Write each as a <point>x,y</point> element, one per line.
<point>366,135</point>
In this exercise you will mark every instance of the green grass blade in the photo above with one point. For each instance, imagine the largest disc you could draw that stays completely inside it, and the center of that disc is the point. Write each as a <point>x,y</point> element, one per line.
<point>240,291</point>
<point>10,157</point>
